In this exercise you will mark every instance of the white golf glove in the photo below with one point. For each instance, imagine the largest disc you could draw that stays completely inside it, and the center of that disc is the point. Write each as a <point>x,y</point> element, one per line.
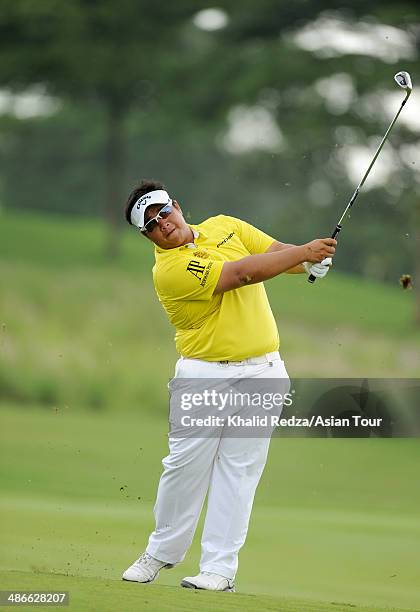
<point>319,270</point>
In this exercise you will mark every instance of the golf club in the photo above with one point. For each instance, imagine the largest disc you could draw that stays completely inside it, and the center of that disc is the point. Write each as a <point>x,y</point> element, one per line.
<point>404,80</point>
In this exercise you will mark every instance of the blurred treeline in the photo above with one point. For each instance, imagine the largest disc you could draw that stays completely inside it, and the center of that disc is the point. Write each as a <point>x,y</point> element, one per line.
<point>227,107</point>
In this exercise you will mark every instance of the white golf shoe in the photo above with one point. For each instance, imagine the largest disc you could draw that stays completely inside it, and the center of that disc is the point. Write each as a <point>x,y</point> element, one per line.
<point>145,569</point>
<point>208,582</point>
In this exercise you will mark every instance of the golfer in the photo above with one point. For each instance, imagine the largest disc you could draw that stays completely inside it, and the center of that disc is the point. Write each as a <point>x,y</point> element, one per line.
<point>209,279</point>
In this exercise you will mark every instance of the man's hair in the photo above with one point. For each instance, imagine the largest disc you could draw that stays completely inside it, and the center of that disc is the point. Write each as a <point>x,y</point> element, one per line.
<point>139,190</point>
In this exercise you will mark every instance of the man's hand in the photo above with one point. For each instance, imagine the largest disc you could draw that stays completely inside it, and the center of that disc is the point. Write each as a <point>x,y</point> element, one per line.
<point>319,270</point>
<point>317,250</point>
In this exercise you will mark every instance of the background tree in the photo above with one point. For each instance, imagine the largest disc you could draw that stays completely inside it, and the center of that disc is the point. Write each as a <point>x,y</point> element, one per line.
<point>152,93</point>
<point>93,53</point>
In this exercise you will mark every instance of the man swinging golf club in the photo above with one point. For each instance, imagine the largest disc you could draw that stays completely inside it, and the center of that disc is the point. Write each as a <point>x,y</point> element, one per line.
<point>209,279</point>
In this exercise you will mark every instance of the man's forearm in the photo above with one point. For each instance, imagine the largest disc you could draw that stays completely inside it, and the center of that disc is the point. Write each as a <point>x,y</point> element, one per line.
<point>282,246</point>
<point>261,267</point>
<point>299,269</point>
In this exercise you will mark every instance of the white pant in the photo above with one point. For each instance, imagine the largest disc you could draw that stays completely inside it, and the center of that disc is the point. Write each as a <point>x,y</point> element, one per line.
<point>228,469</point>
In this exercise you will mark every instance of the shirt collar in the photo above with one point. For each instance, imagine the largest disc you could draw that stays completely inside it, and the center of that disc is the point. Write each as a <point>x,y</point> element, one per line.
<point>190,245</point>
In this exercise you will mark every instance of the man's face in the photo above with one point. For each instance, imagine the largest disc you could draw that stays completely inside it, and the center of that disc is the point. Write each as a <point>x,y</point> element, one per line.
<point>171,232</point>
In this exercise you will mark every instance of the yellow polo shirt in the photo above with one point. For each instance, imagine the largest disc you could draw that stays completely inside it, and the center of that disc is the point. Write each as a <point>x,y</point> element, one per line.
<point>229,326</point>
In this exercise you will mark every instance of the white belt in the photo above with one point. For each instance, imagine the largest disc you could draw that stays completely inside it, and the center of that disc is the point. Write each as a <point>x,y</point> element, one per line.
<point>268,357</point>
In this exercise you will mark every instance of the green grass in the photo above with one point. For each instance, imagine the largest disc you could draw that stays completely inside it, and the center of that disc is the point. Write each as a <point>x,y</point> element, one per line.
<point>93,594</point>
<point>85,337</point>
<point>76,330</point>
<point>54,242</point>
<point>335,522</point>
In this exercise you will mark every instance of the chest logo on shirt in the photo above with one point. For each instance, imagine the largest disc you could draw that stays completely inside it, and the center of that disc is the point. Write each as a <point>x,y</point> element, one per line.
<point>196,269</point>
<point>228,237</point>
<point>202,254</point>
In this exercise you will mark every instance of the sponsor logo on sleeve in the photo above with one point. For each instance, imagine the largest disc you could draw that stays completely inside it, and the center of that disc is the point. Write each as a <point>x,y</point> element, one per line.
<point>206,273</point>
<point>196,269</point>
<point>199,271</point>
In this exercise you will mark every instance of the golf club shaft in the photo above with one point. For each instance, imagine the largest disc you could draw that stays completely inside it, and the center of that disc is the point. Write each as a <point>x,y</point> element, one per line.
<point>311,277</point>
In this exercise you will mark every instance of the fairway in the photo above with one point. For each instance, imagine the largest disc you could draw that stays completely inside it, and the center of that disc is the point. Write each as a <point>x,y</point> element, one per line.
<point>335,522</point>
<point>92,594</point>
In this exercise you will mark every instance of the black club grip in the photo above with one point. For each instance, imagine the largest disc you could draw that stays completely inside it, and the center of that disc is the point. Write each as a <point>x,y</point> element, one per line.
<point>311,277</point>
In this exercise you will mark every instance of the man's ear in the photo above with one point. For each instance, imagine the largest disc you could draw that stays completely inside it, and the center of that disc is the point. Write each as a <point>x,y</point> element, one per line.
<point>177,206</point>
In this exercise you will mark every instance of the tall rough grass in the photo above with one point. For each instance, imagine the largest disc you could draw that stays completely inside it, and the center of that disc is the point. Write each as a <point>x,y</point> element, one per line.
<point>75,330</point>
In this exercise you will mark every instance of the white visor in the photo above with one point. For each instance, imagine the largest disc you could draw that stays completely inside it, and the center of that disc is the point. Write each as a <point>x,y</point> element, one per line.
<point>160,196</point>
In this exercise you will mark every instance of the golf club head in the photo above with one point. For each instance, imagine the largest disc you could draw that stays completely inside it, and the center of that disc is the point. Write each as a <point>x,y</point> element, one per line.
<point>404,80</point>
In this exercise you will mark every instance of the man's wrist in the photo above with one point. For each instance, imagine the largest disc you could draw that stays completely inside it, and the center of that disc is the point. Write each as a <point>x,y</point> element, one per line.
<point>303,254</point>
<point>307,266</point>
